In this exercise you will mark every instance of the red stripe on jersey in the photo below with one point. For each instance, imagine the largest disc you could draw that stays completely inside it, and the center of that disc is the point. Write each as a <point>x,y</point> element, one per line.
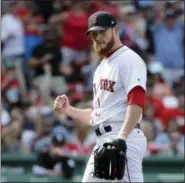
<point>137,96</point>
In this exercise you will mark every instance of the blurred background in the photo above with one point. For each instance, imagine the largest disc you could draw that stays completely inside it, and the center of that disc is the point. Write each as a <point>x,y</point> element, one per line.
<point>45,54</point>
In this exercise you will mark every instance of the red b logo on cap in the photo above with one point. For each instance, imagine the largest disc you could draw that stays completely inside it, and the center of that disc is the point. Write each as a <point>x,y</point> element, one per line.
<point>93,19</point>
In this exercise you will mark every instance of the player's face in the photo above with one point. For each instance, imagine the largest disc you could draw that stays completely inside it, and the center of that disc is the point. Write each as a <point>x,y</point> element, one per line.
<point>170,21</point>
<point>103,41</point>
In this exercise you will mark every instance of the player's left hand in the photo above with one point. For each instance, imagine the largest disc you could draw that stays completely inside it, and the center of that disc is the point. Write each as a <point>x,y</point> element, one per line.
<point>110,160</point>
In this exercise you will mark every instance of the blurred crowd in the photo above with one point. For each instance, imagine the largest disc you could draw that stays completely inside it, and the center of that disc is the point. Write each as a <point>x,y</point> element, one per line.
<point>45,53</point>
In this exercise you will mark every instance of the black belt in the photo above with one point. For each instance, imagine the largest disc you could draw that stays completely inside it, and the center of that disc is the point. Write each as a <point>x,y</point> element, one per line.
<point>108,129</point>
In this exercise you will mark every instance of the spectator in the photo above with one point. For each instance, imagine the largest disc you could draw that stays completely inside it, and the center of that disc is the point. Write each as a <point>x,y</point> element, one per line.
<point>143,4</point>
<point>177,6</point>
<point>45,8</point>
<point>10,86</point>
<point>33,26</point>
<point>148,13</point>
<point>75,45</point>
<point>5,121</point>
<point>110,6</point>
<point>29,130</point>
<point>12,132</point>
<point>23,11</point>
<point>153,100</point>
<point>134,27</point>
<point>45,125</point>
<point>179,84</point>
<point>82,138</point>
<point>54,160</point>
<point>5,118</point>
<point>148,131</point>
<point>161,88</point>
<point>176,113</point>
<point>46,62</point>
<point>171,138</point>
<point>12,37</point>
<point>61,6</point>
<point>40,118</point>
<point>168,39</point>
<point>88,70</point>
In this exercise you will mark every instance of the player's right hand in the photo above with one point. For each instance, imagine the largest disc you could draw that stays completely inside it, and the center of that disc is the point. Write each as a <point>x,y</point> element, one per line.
<point>61,104</point>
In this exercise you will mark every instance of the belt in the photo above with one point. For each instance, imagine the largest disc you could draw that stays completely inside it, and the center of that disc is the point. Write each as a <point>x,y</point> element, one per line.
<point>103,129</point>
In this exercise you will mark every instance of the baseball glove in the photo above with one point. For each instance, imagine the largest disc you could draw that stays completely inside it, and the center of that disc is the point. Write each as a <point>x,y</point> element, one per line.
<point>110,160</point>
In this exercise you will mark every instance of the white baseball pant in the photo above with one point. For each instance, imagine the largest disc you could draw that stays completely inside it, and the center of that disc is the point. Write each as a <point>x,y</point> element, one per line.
<point>136,149</point>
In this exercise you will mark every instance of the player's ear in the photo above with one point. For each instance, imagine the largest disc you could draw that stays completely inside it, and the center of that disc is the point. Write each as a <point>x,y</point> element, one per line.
<point>116,29</point>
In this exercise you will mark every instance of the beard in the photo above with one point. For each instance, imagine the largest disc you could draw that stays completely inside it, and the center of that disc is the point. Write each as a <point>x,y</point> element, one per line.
<point>102,52</point>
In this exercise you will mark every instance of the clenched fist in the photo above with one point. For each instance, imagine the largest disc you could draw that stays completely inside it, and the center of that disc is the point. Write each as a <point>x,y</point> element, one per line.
<point>61,104</point>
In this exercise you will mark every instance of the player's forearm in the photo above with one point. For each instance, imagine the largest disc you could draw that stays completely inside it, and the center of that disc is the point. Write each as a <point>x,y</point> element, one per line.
<point>133,114</point>
<point>34,62</point>
<point>82,115</point>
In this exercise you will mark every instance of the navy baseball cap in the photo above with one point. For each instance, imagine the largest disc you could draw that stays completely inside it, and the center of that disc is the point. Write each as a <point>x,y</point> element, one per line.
<point>170,13</point>
<point>101,20</point>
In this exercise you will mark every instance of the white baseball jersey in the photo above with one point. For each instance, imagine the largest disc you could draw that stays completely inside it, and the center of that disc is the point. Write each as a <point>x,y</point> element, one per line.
<point>113,80</point>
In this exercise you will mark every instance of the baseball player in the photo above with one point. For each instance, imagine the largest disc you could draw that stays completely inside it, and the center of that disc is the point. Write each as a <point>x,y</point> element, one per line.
<point>119,95</point>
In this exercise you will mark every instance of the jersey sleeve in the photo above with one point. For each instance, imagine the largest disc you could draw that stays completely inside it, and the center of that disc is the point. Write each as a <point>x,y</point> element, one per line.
<point>133,73</point>
<point>5,29</point>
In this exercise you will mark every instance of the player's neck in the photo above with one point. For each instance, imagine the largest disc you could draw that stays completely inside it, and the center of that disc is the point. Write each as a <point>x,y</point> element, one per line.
<point>116,46</point>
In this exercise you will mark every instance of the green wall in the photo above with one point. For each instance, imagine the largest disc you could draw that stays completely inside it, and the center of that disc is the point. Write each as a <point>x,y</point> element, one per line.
<point>160,169</point>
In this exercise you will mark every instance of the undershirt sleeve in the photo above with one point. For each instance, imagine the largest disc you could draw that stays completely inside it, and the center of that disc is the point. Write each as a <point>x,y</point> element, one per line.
<point>137,96</point>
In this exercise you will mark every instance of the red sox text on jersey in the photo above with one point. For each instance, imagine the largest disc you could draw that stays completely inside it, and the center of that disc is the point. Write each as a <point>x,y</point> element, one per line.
<point>106,85</point>
<point>113,80</point>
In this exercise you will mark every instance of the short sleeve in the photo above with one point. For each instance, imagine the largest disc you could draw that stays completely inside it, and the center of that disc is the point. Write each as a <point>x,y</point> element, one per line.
<point>133,72</point>
<point>4,29</point>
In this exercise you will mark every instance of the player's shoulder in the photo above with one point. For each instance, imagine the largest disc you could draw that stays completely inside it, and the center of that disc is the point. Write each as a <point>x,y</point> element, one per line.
<point>6,17</point>
<point>130,57</point>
